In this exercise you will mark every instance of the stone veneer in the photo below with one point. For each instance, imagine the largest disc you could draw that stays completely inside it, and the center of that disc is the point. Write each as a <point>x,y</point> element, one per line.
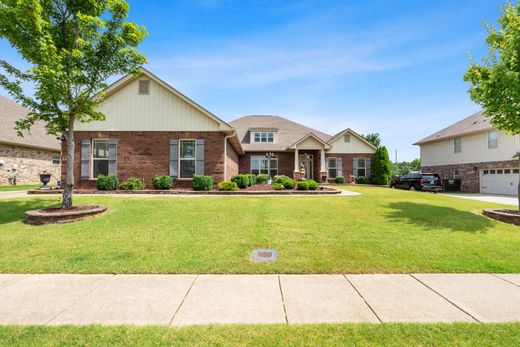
<point>29,162</point>
<point>144,154</point>
<point>469,174</point>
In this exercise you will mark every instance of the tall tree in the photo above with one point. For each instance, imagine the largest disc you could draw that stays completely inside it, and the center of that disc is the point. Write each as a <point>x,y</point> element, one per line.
<point>73,47</point>
<point>495,83</point>
<point>382,167</point>
<point>373,138</point>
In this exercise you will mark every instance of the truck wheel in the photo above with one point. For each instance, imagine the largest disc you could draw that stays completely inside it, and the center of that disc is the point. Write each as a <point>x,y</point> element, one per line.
<point>412,188</point>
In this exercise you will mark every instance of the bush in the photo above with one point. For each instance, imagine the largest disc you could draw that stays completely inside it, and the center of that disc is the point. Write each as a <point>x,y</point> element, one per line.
<point>313,185</point>
<point>133,183</point>
<point>303,185</point>
<point>201,182</point>
<point>241,180</point>
<point>339,180</point>
<point>381,167</point>
<point>280,178</point>
<point>262,178</point>
<point>109,182</point>
<point>162,182</point>
<point>288,183</point>
<point>278,186</point>
<point>227,186</point>
<point>362,180</point>
<point>252,179</point>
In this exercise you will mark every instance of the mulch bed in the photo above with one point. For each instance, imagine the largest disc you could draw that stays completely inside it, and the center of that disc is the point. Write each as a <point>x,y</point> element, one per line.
<point>73,209</point>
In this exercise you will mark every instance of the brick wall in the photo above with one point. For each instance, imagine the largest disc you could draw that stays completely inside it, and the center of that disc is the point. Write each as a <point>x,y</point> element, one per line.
<point>231,162</point>
<point>145,154</point>
<point>285,162</point>
<point>29,162</point>
<point>347,161</point>
<point>469,174</point>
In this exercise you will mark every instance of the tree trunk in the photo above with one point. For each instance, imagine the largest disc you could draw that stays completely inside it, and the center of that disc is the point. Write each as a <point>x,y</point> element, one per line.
<point>66,202</point>
<point>518,155</point>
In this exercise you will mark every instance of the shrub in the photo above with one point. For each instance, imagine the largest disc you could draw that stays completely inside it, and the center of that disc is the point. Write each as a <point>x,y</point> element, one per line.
<point>241,180</point>
<point>201,182</point>
<point>109,182</point>
<point>162,182</point>
<point>262,178</point>
<point>381,167</point>
<point>227,185</point>
<point>133,183</point>
<point>303,185</point>
<point>252,179</point>
<point>362,180</point>
<point>278,186</point>
<point>280,178</point>
<point>339,180</point>
<point>313,185</point>
<point>288,183</point>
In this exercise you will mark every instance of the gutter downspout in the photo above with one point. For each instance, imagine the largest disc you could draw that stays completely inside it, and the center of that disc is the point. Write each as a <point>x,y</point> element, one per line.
<point>225,153</point>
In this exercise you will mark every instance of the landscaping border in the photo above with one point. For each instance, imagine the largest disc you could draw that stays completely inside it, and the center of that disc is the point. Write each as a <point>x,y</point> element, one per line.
<point>41,217</point>
<point>325,191</point>
<point>502,215</point>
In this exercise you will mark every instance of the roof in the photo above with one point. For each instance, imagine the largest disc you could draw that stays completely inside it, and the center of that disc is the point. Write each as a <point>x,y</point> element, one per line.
<point>288,132</point>
<point>37,137</point>
<point>475,123</point>
<point>122,82</point>
<point>356,135</point>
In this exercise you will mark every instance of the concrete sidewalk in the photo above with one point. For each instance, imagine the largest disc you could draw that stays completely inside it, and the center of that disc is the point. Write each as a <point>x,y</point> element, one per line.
<point>204,299</point>
<point>498,199</point>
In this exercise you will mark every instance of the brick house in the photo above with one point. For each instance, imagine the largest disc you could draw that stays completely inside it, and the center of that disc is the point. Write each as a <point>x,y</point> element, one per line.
<point>153,129</point>
<point>24,158</point>
<point>475,152</point>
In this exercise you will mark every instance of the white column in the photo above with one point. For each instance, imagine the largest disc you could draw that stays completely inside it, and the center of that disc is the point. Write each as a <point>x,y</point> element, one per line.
<point>296,168</point>
<point>322,159</point>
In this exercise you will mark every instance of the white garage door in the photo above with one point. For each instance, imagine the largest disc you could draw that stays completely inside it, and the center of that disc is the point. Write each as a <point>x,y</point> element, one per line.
<point>499,181</point>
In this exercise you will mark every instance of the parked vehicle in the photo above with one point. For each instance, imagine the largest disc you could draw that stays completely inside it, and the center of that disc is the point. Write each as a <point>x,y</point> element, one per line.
<point>427,182</point>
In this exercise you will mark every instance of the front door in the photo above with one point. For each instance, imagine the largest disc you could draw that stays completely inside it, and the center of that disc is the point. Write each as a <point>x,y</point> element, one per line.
<point>307,161</point>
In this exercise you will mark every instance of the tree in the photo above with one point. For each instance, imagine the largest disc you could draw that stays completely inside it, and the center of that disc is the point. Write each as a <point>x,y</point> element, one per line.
<point>415,165</point>
<point>495,83</point>
<point>405,167</point>
<point>373,138</point>
<point>381,168</point>
<point>73,47</point>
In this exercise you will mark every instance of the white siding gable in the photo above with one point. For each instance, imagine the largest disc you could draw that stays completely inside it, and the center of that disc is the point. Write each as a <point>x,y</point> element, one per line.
<point>474,150</point>
<point>310,143</point>
<point>354,146</point>
<point>160,110</point>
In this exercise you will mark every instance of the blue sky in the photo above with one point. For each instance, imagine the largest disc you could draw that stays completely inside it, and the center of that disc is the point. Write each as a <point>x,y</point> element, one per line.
<point>388,66</point>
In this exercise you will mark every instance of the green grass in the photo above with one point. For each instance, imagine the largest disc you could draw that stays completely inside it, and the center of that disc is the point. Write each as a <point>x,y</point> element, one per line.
<point>380,231</point>
<point>19,187</point>
<point>267,335</point>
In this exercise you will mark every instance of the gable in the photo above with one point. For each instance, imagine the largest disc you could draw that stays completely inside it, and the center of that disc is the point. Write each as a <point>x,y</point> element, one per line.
<point>160,110</point>
<point>356,145</point>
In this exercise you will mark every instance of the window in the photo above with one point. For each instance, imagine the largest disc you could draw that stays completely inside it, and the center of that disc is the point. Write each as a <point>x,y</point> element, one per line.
<point>264,165</point>
<point>99,157</point>
<point>332,168</point>
<point>264,137</point>
<point>361,167</point>
<point>56,160</point>
<point>144,87</point>
<point>515,171</point>
<point>456,173</point>
<point>491,172</point>
<point>507,171</point>
<point>457,145</point>
<point>186,158</point>
<point>486,172</point>
<point>499,172</point>
<point>346,138</point>
<point>492,139</point>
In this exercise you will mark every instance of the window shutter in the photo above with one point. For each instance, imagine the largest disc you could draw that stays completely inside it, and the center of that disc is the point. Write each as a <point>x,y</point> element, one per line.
<point>174,158</point>
<point>199,152</point>
<point>85,159</point>
<point>339,165</point>
<point>354,167</point>
<point>112,157</point>
<point>369,169</point>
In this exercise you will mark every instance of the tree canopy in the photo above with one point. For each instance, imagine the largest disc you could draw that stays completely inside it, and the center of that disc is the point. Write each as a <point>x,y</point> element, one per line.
<point>381,168</point>
<point>373,138</point>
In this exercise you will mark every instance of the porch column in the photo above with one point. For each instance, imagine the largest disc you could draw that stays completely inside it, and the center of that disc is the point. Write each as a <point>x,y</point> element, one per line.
<point>322,160</point>
<point>296,167</point>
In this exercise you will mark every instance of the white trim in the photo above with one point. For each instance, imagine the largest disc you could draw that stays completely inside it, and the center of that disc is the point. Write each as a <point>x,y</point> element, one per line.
<point>356,135</point>
<point>91,171</point>
<point>325,144</point>
<point>179,159</point>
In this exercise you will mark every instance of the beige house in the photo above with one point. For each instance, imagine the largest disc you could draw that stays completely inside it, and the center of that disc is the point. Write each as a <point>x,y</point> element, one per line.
<point>22,159</point>
<point>475,152</point>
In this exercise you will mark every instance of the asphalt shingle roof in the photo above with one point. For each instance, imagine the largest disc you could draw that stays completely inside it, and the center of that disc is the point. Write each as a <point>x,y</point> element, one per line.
<point>10,112</point>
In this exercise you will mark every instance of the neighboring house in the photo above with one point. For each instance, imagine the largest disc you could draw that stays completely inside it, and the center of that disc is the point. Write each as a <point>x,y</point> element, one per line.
<point>152,129</point>
<point>475,152</point>
<point>25,157</point>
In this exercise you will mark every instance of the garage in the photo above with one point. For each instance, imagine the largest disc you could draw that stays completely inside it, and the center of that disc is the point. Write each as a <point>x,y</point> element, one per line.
<point>499,181</point>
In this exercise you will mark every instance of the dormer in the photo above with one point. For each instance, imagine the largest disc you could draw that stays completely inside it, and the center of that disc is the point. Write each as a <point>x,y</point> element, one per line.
<point>263,135</point>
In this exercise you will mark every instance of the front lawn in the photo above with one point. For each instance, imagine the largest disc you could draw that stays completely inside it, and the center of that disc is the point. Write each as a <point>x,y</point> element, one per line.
<point>19,187</point>
<point>380,231</point>
<point>267,335</point>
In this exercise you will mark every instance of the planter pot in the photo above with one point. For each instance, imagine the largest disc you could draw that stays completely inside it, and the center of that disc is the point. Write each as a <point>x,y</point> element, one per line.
<point>44,179</point>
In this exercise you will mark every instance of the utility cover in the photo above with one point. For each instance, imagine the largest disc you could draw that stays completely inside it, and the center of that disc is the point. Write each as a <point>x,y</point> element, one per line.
<point>264,255</point>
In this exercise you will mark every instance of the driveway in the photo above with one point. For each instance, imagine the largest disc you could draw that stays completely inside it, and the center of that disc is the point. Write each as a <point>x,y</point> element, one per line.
<point>498,199</point>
